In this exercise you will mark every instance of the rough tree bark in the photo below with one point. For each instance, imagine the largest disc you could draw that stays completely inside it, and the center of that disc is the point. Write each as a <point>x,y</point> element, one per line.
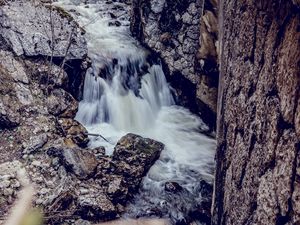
<point>258,159</point>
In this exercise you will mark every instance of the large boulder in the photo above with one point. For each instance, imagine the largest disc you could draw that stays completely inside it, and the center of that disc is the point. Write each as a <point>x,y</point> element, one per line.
<point>133,156</point>
<point>137,151</point>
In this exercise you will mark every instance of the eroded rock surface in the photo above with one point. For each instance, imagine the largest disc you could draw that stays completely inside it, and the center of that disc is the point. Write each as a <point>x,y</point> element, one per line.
<point>36,30</point>
<point>257,178</point>
<point>184,33</point>
<point>33,29</point>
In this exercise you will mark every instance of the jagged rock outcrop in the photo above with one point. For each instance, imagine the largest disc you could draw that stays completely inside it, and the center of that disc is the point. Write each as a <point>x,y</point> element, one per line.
<point>184,33</point>
<point>33,29</point>
<point>258,154</point>
<point>36,30</point>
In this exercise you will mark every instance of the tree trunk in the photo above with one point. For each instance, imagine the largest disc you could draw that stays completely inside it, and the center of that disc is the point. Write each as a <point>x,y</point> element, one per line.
<point>258,159</point>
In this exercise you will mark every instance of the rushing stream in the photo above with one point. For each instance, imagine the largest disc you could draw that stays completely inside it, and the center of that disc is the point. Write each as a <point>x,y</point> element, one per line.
<point>126,91</point>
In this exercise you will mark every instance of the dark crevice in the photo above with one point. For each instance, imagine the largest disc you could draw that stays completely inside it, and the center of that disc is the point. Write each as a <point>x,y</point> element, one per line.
<point>282,220</point>
<point>252,55</point>
<point>249,220</point>
<point>283,125</point>
<point>273,92</point>
<point>281,31</point>
<point>240,181</point>
<point>253,141</point>
<point>220,179</point>
<point>251,90</point>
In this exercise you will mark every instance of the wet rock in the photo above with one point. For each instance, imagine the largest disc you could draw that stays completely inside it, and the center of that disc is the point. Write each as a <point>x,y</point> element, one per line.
<point>137,151</point>
<point>172,187</point>
<point>78,161</point>
<point>202,210</point>
<point>99,151</point>
<point>205,189</point>
<point>106,166</point>
<point>132,158</point>
<point>115,23</point>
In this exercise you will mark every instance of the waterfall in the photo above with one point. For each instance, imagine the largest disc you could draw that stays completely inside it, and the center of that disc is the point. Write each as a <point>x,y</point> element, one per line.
<point>126,91</point>
<point>127,99</point>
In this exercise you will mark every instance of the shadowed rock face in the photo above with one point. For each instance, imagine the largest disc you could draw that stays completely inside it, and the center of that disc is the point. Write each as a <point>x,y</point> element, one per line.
<point>184,33</point>
<point>257,177</point>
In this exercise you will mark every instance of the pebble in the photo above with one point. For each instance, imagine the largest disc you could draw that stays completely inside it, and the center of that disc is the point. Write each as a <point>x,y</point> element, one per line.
<point>43,191</point>
<point>39,201</point>
<point>55,161</point>
<point>10,200</point>
<point>8,192</point>
<point>38,179</point>
<point>4,184</point>
<point>24,145</point>
<point>50,184</point>
<point>53,173</point>
<point>36,163</point>
<point>46,165</point>
<point>84,191</point>
<point>16,184</point>
<point>6,177</point>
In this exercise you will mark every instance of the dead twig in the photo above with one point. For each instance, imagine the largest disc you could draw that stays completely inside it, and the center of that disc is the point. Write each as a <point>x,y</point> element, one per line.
<point>98,135</point>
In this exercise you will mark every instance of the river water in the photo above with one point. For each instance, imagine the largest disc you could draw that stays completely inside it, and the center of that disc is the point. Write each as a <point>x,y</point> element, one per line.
<point>126,91</point>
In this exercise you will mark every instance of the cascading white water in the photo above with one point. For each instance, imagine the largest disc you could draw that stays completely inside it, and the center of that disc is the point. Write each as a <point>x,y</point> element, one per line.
<point>133,96</point>
<point>122,100</point>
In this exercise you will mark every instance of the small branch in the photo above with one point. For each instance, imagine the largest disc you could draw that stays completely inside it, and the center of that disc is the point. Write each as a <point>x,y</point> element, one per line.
<point>67,51</point>
<point>52,46</point>
<point>98,135</point>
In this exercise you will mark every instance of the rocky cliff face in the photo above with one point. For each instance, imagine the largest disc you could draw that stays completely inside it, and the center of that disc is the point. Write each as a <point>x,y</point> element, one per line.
<point>258,158</point>
<point>184,33</point>
<point>42,63</point>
